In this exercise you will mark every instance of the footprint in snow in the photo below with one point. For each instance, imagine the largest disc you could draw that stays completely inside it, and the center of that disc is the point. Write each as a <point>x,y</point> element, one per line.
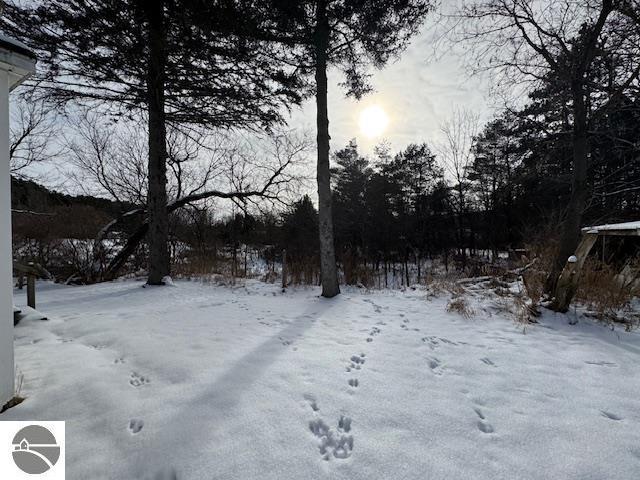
<point>431,341</point>
<point>434,364</point>
<point>610,416</point>
<point>356,362</point>
<point>135,425</point>
<point>374,331</point>
<point>358,358</point>
<point>311,400</point>
<point>487,361</point>
<point>483,425</point>
<point>336,443</point>
<point>137,380</point>
<point>601,363</point>
<point>353,382</point>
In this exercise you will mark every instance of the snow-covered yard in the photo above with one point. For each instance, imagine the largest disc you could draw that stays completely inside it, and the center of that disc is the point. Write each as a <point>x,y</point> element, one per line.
<point>206,382</point>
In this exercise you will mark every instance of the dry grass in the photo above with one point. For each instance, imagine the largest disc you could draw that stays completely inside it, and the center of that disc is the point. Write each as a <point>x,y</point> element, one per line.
<point>439,286</point>
<point>461,306</point>
<point>602,292</point>
<point>17,398</point>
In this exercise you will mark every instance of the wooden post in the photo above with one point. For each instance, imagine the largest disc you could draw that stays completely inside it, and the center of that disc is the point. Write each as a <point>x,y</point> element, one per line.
<point>568,281</point>
<point>31,287</point>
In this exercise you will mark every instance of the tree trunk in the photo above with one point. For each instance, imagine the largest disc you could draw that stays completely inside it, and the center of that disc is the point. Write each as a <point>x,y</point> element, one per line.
<point>579,191</point>
<point>157,195</point>
<point>328,269</point>
<point>567,284</point>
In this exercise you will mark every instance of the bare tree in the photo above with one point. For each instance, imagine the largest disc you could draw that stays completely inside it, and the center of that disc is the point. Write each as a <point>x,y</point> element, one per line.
<point>456,152</point>
<point>34,129</point>
<point>249,171</point>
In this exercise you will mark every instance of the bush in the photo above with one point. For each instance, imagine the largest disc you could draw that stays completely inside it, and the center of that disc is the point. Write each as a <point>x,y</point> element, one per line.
<point>460,306</point>
<point>602,291</point>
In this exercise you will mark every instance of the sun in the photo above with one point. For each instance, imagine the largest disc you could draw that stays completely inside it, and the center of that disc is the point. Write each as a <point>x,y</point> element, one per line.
<point>373,121</point>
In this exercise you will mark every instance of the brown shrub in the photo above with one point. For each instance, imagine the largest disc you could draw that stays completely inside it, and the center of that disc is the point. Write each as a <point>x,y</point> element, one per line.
<point>461,306</point>
<point>601,291</point>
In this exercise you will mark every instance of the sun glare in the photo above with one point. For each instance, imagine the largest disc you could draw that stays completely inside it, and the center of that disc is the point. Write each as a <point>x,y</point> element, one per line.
<point>373,121</point>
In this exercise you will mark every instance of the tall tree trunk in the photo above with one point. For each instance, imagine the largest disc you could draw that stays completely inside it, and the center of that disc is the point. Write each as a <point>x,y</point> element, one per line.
<point>571,228</point>
<point>329,273</point>
<point>157,196</point>
<point>461,224</point>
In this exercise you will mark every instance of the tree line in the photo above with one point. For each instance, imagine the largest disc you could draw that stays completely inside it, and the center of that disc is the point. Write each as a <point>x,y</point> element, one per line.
<point>223,64</point>
<point>564,156</point>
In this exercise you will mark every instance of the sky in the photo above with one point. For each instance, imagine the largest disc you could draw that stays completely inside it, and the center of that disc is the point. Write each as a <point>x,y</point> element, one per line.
<point>417,93</point>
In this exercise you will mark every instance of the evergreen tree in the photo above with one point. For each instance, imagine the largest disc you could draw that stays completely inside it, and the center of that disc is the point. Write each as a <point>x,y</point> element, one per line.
<point>352,35</point>
<point>350,183</point>
<point>177,61</point>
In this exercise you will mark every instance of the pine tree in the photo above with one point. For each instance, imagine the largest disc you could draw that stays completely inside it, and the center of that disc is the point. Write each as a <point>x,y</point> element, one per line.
<point>351,35</point>
<point>176,61</point>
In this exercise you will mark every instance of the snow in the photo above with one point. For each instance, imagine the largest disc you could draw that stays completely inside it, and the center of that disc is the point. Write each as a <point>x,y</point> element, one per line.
<point>205,381</point>
<point>613,226</point>
<point>572,259</point>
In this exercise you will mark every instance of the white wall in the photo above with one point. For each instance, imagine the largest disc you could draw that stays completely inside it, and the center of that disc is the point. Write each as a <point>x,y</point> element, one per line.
<point>6,288</point>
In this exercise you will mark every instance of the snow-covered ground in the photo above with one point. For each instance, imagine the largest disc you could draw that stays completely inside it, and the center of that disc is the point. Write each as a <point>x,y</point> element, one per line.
<point>200,381</point>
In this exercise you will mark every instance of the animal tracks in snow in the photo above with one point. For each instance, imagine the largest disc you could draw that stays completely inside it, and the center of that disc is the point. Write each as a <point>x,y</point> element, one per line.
<point>137,380</point>
<point>312,402</point>
<point>332,443</point>
<point>135,425</point>
<point>356,363</point>
<point>374,331</point>
<point>483,425</point>
<point>376,308</point>
<point>434,342</point>
<point>601,363</point>
<point>610,416</point>
<point>487,361</point>
<point>336,443</point>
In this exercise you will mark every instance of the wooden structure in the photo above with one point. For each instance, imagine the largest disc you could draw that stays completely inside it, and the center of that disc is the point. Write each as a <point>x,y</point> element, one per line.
<point>31,271</point>
<point>569,278</point>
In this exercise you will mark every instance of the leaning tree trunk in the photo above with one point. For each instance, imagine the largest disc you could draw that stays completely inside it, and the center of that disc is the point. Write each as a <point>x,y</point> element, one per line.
<point>579,191</point>
<point>157,195</point>
<point>329,274</point>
